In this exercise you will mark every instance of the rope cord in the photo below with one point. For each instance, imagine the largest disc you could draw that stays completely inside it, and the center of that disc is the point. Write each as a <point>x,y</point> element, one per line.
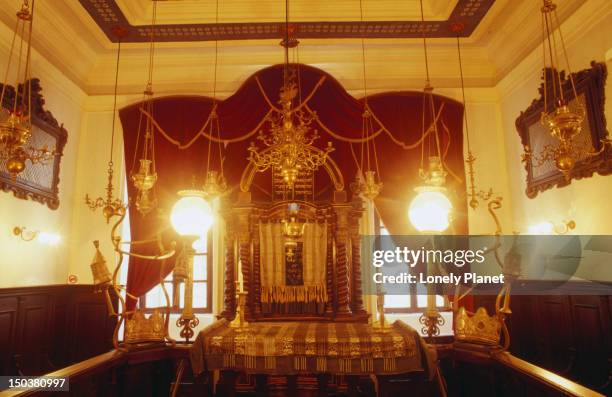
<point>364,123</point>
<point>569,70</point>
<point>550,50</point>
<point>214,96</point>
<point>18,67</point>
<point>216,120</point>
<point>110,162</point>
<point>299,77</point>
<point>427,91</point>
<point>9,60</point>
<point>286,68</point>
<point>249,134</point>
<point>363,58</point>
<point>465,116</point>
<point>544,64</point>
<point>203,132</point>
<point>147,101</point>
<point>28,75</point>
<point>424,42</point>
<point>152,43</point>
<point>556,54</point>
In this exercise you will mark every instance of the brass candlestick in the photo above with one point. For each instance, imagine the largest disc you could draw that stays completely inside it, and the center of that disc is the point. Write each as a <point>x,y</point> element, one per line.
<point>239,324</point>
<point>188,320</point>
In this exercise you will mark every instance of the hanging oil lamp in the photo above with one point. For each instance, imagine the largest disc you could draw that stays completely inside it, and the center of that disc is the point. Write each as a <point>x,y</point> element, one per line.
<point>16,118</point>
<point>145,178</point>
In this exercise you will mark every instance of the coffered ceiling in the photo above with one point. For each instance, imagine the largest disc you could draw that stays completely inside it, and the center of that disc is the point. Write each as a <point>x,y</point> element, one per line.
<point>76,37</point>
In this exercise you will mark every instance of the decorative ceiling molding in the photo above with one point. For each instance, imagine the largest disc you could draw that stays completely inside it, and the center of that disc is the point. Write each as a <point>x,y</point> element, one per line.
<point>108,16</point>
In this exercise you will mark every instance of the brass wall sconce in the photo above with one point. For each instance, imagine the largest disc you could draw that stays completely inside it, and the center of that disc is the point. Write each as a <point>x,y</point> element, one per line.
<point>42,237</point>
<point>550,227</point>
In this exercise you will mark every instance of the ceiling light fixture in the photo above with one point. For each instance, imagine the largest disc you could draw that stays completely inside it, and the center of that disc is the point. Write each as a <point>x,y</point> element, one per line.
<point>430,210</point>
<point>473,194</point>
<point>367,184</point>
<point>16,118</point>
<point>563,119</point>
<point>289,146</point>
<point>145,178</point>
<point>215,183</point>
<point>110,204</point>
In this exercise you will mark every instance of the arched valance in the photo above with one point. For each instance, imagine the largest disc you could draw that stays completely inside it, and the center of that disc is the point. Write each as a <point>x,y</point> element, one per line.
<point>182,142</point>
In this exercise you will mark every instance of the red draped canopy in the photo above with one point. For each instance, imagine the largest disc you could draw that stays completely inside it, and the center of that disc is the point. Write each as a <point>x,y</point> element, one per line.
<point>397,125</point>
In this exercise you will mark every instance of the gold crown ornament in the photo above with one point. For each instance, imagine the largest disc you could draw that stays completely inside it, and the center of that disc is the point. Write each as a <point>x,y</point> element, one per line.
<point>477,328</point>
<point>140,329</point>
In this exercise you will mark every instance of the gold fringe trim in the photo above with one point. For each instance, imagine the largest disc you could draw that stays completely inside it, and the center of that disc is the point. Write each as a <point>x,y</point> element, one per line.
<point>344,365</point>
<point>299,363</point>
<point>321,364</point>
<point>291,293</point>
<point>389,364</point>
<point>250,362</point>
<point>270,362</point>
<point>229,360</point>
<point>367,365</point>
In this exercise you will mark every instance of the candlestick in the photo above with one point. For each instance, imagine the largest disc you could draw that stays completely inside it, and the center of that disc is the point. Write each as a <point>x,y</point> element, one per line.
<point>240,278</point>
<point>188,309</point>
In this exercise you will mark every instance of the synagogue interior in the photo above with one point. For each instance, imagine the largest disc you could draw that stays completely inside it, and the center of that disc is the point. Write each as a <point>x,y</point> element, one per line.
<point>305,198</point>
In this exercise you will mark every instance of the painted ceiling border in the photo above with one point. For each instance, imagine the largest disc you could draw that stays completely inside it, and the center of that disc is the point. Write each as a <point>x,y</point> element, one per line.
<point>108,16</point>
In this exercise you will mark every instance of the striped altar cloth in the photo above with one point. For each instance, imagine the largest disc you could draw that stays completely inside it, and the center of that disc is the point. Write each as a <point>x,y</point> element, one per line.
<point>284,348</point>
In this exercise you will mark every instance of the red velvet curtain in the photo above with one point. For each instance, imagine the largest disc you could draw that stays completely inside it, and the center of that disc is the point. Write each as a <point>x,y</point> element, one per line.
<point>181,117</point>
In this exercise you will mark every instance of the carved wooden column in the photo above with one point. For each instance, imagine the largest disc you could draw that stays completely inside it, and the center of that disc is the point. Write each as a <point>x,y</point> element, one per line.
<point>357,295</point>
<point>329,267</point>
<point>244,255</point>
<point>229,291</point>
<point>256,265</point>
<point>342,263</point>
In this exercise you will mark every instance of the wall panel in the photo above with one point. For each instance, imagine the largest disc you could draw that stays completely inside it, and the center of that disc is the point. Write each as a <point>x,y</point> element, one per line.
<point>48,327</point>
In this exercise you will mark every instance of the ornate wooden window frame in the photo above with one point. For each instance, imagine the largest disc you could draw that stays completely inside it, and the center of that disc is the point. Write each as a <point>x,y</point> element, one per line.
<point>43,122</point>
<point>591,84</point>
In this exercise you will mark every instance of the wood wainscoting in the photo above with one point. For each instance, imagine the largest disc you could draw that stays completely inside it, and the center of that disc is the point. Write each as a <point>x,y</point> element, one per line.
<point>49,327</point>
<point>570,335</point>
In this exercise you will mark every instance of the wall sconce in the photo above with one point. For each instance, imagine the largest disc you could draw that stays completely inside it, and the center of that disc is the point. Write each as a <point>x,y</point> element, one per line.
<point>549,227</point>
<point>42,237</point>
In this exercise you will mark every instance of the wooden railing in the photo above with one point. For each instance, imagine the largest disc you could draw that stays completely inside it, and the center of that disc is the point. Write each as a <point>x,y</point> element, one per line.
<point>142,372</point>
<point>543,376</point>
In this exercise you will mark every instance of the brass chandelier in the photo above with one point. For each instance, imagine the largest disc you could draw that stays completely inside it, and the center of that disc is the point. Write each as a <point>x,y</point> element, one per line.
<point>16,119</point>
<point>289,146</point>
<point>111,205</point>
<point>564,121</point>
<point>474,195</point>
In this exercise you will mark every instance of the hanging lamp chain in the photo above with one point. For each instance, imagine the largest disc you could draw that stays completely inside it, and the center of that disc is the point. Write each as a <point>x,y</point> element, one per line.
<point>435,161</point>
